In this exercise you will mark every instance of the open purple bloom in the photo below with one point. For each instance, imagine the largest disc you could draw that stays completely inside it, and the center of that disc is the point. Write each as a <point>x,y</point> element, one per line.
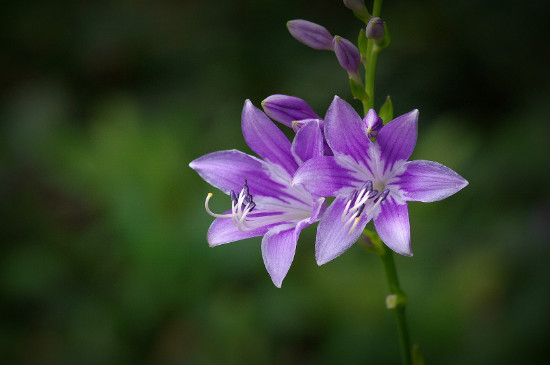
<point>371,180</point>
<point>263,202</point>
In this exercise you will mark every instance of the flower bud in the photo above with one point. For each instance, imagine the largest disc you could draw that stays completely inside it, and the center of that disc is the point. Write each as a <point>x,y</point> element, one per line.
<point>375,29</point>
<point>348,56</point>
<point>286,109</point>
<point>310,34</point>
<point>373,123</point>
<point>356,5</point>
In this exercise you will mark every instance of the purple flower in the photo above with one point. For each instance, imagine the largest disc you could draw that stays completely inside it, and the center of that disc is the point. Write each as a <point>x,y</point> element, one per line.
<point>310,34</point>
<point>266,205</point>
<point>348,56</point>
<point>371,180</point>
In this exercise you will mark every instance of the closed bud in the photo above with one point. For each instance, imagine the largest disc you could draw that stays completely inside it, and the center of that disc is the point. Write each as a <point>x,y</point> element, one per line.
<point>310,34</point>
<point>375,29</point>
<point>359,9</point>
<point>348,56</point>
<point>373,123</point>
<point>356,5</point>
<point>286,109</point>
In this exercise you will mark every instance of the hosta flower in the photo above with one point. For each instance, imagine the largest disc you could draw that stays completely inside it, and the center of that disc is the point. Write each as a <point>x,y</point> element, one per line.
<point>262,200</point>
<point>371,180</point>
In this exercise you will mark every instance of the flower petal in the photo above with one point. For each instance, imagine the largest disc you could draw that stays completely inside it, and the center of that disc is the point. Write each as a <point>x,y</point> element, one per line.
<point>398,138</point>
<point>227,171</point>
<point>278,249</point>
<point>332,237</point>
<point>429,181</point>
<point>223,231</point>
<point>308,142</point>
<point>323,176</point>
<point>345,132</point>
<point>393,227</point>
<point>286,109</point>
<point>264,138</point>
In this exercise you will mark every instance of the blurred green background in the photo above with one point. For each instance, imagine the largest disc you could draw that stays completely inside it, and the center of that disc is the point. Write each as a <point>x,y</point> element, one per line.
<point>104,258</point>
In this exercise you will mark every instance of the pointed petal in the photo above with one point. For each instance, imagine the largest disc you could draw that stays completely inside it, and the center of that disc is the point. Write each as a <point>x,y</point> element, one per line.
<point>264,138</point>
<point>332,237</point>
<point>308,142</point>
<point>398,138</point>
<point>429,181</point>
<point>345,132</point>
<point>393,227</point>
<point>323,176</point>
<point>318,209</point>
<point>227,171</point>
<point>278,249</point>
<point>286,109</point>
<point>223,231</point>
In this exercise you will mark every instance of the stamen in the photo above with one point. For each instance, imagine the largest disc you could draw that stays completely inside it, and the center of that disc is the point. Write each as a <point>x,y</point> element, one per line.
<point>354,225</point>
<point>359,208</point>
<point>352,196</point>
<point>383,195</point>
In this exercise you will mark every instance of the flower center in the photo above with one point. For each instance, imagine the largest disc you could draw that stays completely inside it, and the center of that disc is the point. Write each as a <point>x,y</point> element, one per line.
<point>358,202</point>
<point>240,207</point>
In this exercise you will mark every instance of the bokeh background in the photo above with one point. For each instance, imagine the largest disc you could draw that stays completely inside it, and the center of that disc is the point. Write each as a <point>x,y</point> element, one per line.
<point>103,256</point>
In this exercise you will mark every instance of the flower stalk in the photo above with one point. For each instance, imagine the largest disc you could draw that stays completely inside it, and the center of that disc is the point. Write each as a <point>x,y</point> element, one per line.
<point>397,300</point>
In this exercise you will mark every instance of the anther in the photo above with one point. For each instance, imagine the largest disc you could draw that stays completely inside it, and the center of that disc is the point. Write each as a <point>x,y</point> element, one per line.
<point>367,186</point>
<point>382,195</point>
<point>245,188</point>
<point>233,196</point>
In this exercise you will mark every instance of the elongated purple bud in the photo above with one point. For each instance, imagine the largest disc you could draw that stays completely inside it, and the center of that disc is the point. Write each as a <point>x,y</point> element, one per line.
<point>310,34</point>
<point>375,29</point>
<point>347,54</point>
<point>357,5</point>
<point>286,109</point>
<point>373,123</point>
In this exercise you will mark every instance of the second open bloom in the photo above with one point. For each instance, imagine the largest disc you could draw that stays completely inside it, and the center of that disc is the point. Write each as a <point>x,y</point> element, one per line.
<point>263,202</point>
<point>371,180</point>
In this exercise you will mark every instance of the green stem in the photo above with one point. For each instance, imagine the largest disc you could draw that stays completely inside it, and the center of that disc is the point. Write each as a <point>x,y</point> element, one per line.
<point>372,58</point>
<point>377,6</point>
<point>400,302</point>
<point>397,300</point>
<point>370,74</point>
